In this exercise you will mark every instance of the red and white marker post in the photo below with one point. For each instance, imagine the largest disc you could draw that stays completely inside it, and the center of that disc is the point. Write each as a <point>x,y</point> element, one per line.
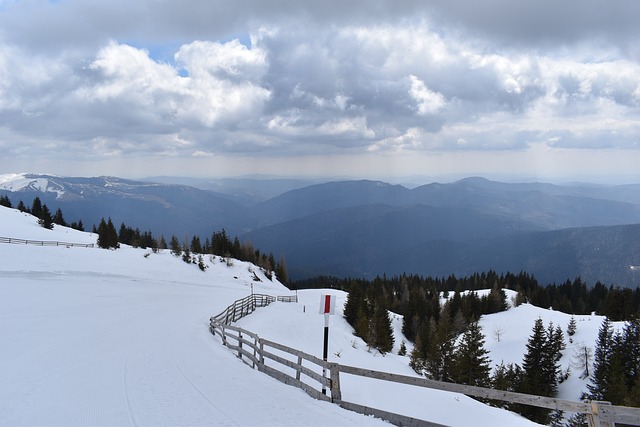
<point>327,307</point>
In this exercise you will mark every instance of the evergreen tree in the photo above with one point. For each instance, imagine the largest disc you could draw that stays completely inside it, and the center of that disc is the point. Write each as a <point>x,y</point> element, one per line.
<point>186,253</point>
<point>471,363</point>
<point>539,373</point>
<point>45,220</point>
<point>439,355</point>
<point>196,246</point>
<point>630,349</point>
<point>380,330</point>
<point>112,235</point>
<point>571,328</point>
<point>77,225</point>
<point>59,219</point>
<point>403,349</point>
<point>4,201</point>
<point>417,360</point>
<point>201,264</point>
<point>107,235</point>
<point>174,244</point>
<point>103,238</point>
<point>36,207</point>
<point>21,207</point>
<point>602,362</point>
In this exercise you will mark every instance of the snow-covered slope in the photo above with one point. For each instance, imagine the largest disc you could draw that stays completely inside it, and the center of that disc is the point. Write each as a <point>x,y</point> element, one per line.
<point>507,334</point>
<point>300,326</point>
<point>98,337</point>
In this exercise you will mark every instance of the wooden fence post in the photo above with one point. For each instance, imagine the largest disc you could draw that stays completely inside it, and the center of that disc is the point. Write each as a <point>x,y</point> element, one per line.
<point>255,351</point>
<point>240,344</point>
<point>299,367</point>
<point>595,419</point>
<point>336,394</point>
<point>261,351</point>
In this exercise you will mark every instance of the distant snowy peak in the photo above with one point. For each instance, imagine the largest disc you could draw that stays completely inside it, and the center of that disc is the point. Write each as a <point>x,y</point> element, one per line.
<point>31,182</point>
<point>68,188</point>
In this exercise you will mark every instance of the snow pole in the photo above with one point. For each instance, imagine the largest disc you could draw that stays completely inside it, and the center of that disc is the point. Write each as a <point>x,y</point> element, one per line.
<point>327,307</point>
<point>325,350</point>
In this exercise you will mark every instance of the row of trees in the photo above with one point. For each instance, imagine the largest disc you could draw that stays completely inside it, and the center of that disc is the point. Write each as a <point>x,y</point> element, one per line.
<point>42,212</point>
<point>109,238</point>
<point>370,321</point>
<point>575,297</point>
<point>219,244</point>
<point>449,344</point>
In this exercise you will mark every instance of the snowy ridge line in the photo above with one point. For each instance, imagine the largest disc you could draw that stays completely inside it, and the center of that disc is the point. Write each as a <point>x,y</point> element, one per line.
<point>13,240</point>
<point>598,413</point>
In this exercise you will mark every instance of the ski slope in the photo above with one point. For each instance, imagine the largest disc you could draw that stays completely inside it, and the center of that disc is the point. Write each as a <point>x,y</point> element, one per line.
<point>120,337</point>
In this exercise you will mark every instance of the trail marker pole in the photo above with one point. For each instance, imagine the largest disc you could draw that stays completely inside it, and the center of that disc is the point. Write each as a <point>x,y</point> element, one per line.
<point>327,307</point>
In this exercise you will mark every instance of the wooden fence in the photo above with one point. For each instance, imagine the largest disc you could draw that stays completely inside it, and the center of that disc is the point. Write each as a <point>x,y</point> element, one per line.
<point>300,369</point>
<point>43,242</point>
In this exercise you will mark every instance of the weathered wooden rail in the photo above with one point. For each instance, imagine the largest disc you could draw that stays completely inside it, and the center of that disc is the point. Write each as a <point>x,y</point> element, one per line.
<point>286,365</point>
<point>15,241</point>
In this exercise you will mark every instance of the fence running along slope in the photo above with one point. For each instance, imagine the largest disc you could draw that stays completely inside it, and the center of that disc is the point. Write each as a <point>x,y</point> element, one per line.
<point>287,367</point>
<point>15,241</point>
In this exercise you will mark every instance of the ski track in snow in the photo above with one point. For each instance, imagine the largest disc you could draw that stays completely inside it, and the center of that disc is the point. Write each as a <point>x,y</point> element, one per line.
<point>204,396</point>
<point>126,387</point>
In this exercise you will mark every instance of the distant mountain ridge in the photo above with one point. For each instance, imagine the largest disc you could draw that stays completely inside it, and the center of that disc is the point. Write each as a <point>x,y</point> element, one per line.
<point>164,209</point>
<point>366,228</point>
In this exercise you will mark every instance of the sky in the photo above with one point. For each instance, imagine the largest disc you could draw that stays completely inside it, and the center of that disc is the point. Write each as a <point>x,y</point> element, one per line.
<point>373,89</point>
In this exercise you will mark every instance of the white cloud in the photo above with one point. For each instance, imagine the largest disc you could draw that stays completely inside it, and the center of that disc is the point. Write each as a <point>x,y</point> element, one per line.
<point>429,102</point>
<point>275,80</point>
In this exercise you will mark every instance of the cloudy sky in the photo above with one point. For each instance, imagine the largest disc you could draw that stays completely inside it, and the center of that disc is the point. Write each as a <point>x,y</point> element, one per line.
<point>541,89</point>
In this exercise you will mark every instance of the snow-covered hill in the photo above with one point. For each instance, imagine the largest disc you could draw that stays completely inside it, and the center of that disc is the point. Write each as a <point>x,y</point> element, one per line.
<point>99,337</point>
<point>104,338</point>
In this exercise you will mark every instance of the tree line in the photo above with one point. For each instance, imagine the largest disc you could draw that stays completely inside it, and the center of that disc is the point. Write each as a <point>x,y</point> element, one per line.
<point>573,296</point>
<point>41,211</point>
<point>440,318</point>
<point>219,243</point>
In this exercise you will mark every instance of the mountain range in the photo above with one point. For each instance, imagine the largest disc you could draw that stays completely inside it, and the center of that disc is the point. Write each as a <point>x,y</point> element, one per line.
<point>368,228</point>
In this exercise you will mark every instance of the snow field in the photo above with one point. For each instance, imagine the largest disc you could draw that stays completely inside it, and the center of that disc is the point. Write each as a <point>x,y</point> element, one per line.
<point>120,337</point>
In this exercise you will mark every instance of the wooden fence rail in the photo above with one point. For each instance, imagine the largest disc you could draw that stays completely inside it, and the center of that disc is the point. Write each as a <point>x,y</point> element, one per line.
<point>261,354</point>
<point>15,241</point>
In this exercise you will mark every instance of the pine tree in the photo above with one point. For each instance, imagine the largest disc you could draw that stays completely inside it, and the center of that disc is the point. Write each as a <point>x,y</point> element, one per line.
<point>21,207</point>
<point>112,235</point>
<point>103,238</point>
<point>59,219</point>
<point>417,360</point>
<point>571,327</point>
<point>630,348</point>
<point>403,349</point>
<point>602,362</point>
<point>4,201</point>
<point>174,244</point>
<point>539,376</point>
<point>196,246</point>
<point>107,235</point>
<point>45,220</point>
<point>471,363</point>
<point>380,330</point>
<point>36,207</point>
<point>439,355</point>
